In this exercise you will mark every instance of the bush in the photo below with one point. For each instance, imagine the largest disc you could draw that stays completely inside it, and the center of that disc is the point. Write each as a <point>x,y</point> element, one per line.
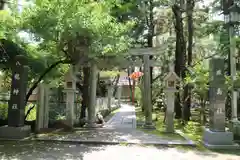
<point>3,111</point>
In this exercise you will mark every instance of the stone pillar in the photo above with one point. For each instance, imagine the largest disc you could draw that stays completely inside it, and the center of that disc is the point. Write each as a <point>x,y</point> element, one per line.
<point>92,96</point>
<point>109,96</point>
<point>147,89</point>
<point>40,108</point>
<point>46,106</point>
<point>217,96</point>
<point>70,90</point>
<point>170,95</point>
<point>119,95</point>
<point>17,102</point>
<point>216,136</point>
<point>70,106</point>
<point>16,105</point>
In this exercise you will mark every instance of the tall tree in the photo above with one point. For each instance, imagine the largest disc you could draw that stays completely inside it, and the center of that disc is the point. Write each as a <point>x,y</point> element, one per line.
<point>180,51</point>
<point>2,4</point>
<point>79,31</point>
<point>187,89</point>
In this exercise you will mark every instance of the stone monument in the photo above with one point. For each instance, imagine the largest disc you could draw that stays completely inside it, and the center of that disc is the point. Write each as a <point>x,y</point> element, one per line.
<point>215,136</point>
<point>16,105</point>
<point>171,81</point>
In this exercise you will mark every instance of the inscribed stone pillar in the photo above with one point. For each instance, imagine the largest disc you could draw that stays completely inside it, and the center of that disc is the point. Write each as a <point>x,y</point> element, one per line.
<point>17,102</point>
<point>92,98</point>
<point>217,96</point>
<point>216,137</point>
<point>147,89</point>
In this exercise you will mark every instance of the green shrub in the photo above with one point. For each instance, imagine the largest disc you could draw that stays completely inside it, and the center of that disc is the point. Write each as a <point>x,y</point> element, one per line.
<point>3,111</point>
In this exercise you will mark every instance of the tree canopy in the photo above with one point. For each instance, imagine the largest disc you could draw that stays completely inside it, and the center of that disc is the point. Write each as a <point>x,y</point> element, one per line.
<point>82,28</point>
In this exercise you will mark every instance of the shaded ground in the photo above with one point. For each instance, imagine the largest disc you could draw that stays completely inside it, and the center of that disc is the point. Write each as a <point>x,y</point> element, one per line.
<point>111,135</point>
<point>61,151</point>
<point>121,128</point>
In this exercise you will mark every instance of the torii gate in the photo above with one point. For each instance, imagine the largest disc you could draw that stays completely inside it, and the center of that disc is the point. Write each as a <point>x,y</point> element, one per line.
<point>121,62</point>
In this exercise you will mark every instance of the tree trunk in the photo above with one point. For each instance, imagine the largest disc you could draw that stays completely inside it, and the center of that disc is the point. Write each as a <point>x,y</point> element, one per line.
<point>187,88</point>
<point>85,91</point>
<point>150,38</point>
<point>180,53</point>
<point>2,4</point>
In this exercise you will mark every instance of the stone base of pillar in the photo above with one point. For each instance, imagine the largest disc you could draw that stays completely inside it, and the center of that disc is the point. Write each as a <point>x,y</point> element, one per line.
<point>92,125</point>
<point>149,126</point>
<point>8,132</point>
<point>169,129</point>
<point>218,140</point>
<point>170,122</point>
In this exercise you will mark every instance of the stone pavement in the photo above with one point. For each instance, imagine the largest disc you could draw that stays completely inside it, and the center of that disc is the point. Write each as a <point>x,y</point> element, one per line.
<point>124,118</point>
<point>121,128</point>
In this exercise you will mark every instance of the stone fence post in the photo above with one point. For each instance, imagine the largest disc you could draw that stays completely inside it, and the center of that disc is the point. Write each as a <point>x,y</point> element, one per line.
<point>42,116</point>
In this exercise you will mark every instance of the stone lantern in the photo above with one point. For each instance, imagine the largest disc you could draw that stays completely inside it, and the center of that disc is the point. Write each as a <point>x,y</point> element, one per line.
<point>170,81</point>
<point>70,81</point>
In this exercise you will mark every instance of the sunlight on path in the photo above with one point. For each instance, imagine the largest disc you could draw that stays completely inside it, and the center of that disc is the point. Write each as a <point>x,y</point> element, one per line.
<point>124,118</point>
<point>152,153</point>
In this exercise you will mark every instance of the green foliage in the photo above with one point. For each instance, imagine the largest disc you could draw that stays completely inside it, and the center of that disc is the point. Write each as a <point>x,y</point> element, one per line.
<point>9,24</point>
<point>12,44</point>
<point>200,79</point>
<point>62,22</point>
<point>194,131</point>
<point>3,111</point>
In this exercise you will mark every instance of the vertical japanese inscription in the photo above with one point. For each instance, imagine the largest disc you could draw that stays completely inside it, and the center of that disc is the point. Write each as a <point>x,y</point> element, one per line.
<point>16,105</point>
<point>217,95</point>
